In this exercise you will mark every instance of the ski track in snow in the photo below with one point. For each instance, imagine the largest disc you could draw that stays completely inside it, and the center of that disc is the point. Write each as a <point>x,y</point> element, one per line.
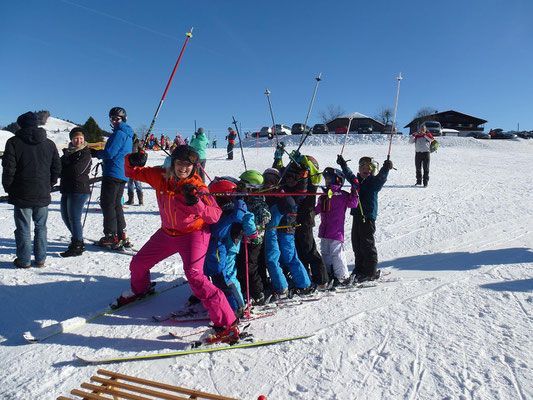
<point>454,321</point>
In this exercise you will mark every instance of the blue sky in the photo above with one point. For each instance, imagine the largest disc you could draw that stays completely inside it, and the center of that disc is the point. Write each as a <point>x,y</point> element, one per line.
<point>79,58</point>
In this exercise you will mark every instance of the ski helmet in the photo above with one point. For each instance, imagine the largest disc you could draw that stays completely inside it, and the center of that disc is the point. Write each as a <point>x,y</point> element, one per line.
<point>118,112</point>
<point>185,153</point>
<point>222,185</point>
<point>370,162</point>
<point>252,177</point>
<point>271,177</point>
<point>335,176</point>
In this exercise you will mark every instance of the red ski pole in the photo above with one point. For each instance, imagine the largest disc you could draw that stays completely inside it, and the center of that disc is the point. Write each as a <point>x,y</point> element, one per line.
<point>189,35</point>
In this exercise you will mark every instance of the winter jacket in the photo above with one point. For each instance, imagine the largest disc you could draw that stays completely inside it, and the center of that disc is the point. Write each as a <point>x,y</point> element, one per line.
<point>333,212</point>
<point>368,191</point>
<point>231,137</point>
<point>137,145</point>
<point>31,166</point>
<point>422,141</point>
<point>199,142</point>
<point>177,218</point>
<point>259,208</point>
<point>75,168</point>
<point>118,145</point>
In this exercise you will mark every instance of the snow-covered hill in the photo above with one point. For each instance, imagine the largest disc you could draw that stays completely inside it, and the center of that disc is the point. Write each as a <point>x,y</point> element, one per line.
<point>454,321</point>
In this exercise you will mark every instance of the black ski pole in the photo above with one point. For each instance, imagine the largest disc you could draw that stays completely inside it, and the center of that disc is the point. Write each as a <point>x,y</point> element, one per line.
<point>267,92</point>
<point>189,35</point>
<point>91,193</point>
<point>240,142</point>
<point>318,79</point>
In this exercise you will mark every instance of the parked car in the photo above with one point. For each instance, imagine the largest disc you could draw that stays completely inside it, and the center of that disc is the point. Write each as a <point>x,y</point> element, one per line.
<point>387,130</point>
<point>282,129</point>
<point>300,129</point>
<point>479,135</point>
<point>525,134</point>
<point>320,128</point>
<point>433,127</point>
<point>500,134</point>
<point>265,131</point>
<point>364,127</point>
<point>341,130</point>
<point>450,132</point>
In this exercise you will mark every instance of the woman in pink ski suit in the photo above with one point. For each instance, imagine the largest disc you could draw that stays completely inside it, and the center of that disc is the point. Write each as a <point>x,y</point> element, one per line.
<point>185,219</point>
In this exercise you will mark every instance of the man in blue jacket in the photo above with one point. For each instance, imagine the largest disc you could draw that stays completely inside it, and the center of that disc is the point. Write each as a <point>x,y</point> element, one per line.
<point>114,179</point>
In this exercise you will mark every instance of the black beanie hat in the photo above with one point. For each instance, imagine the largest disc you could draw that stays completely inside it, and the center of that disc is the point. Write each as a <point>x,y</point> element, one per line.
<point>28,120</point>
<point>77,129</point>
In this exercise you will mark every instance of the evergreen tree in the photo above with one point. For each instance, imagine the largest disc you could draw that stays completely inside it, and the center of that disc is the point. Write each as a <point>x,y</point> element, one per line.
<point>12,127</point>
<point>42,115</point>
<point>94,132</point>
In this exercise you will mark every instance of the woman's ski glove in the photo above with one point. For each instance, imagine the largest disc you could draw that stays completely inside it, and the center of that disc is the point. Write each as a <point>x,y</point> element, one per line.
<point>190,192</point>
<point>387,165</point>
<point>138,159</point>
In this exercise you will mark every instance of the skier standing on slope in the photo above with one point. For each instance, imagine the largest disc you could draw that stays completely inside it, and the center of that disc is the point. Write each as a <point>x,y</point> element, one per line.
<point>114,180</point>
<point>231,142</point>
<point>422,141</point>
<point>184,229</point>
<point>364,218</point>
<point>331,230</point>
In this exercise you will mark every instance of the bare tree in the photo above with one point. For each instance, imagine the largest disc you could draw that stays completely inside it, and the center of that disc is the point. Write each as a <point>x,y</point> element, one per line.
<point>141,130</point>
<point>332,112</point>
<point>425,111</point>
<point>384,115</point>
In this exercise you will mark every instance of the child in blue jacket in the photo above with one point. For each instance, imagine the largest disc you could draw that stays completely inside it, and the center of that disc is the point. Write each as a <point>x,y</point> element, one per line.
<point>225,241</point>
<point>364,218</point>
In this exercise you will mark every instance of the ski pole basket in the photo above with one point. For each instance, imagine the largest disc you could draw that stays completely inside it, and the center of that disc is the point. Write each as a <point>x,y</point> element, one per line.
<point>120,386</point>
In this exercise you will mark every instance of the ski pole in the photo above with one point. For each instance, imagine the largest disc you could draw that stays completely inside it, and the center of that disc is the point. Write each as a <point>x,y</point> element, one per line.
<point>189,35</point>
<point>202,168</point>
<point>394,117</point>
<point>346,136</point>
<point>329,193</point>
<point>309,111</point>
<point>90,193</point>
<point>247,313</point>
<point>280,227</point>
<point>267,92</point>
<point>240,142</point>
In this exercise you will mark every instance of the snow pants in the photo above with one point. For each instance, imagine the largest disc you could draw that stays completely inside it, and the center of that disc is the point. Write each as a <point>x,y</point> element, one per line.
<point>279,247</point>
<point>254,277</point>
<point>364,246</point>
<point>334,256</point>
<point>192,248</point>
<point>111,204</point>
<point>422,162</point>
<point>309,256</point>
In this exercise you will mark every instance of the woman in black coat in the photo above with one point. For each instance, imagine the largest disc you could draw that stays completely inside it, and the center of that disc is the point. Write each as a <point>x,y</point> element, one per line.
<point>76,165</point>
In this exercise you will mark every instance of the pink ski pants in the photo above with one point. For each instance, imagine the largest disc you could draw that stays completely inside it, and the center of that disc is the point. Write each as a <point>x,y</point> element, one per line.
<point>192,248</point>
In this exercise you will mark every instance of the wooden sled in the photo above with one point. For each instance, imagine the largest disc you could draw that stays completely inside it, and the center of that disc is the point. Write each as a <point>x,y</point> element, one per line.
<point>112,386</point>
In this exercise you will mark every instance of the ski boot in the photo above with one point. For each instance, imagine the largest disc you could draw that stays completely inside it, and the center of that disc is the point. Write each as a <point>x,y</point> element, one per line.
<point>223,334</point>
<point>108,241</point>
<point>128,297</point>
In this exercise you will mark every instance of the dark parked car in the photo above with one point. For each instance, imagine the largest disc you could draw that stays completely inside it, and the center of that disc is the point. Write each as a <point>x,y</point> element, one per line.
<point>300,129</point>
<point>500,134</point>
<point>479,135</point>
<point>387,130</point>
<point>525,134</point>
<point>320,128</point>
<point>365,127</point>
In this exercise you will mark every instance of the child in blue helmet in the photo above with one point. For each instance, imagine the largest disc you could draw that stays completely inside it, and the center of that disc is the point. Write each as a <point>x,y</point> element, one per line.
<point>279,243</point>
<point>225,241</point>
<point>332,212</point>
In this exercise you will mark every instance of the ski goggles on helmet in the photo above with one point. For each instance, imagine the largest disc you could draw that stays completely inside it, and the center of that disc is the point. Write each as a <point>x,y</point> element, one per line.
<point>185,153</point>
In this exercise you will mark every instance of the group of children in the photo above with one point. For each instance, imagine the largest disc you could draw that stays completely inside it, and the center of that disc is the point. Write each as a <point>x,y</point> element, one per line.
<point>250,239</point>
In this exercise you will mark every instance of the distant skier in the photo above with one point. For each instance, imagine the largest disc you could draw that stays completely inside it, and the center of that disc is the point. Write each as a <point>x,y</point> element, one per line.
<point>231,142</point>
<point>422,141</point>
<point>214,143</point>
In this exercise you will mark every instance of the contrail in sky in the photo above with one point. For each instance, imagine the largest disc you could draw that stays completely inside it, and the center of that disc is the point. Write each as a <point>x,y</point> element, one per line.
<point>121,20</point>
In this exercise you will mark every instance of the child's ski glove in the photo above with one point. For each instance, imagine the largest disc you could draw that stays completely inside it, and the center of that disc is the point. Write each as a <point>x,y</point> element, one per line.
<point>138,159</point>
<point>387,165</point>
<point>190,192</point>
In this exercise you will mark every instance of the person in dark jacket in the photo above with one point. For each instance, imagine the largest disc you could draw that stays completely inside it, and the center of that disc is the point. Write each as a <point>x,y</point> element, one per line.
<point>31,166</point>
<point>135,186</point>
<point>75,166</point>
<point>231,142</point>
<point>368,185</point>
<point>114,180</point>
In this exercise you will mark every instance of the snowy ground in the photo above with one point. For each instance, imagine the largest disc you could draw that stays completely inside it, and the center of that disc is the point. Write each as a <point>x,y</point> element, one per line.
<point>456,324</point>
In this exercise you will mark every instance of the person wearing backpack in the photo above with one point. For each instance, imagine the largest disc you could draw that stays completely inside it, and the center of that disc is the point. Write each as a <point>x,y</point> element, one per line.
<point>422,140</point>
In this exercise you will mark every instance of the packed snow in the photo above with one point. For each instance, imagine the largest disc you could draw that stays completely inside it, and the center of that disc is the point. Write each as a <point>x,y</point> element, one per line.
<point>453,320</point>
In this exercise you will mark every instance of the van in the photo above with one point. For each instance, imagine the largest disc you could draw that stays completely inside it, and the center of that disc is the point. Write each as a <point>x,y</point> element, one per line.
<point>432,127</point>
<point>364,127</point>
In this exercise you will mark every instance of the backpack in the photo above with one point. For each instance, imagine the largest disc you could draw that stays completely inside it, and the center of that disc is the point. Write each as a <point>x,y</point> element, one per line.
<point>433,146</point>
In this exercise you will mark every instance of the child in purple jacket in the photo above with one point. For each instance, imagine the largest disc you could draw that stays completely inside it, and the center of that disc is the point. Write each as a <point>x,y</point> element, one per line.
<point>331,230</point>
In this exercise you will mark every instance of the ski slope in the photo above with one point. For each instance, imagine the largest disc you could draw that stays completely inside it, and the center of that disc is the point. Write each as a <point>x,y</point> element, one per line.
<point>454,321</point>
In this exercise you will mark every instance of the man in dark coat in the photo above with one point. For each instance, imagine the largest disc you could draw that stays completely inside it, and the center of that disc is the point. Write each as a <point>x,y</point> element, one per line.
<point>31,166</point>
<point>231,142</point>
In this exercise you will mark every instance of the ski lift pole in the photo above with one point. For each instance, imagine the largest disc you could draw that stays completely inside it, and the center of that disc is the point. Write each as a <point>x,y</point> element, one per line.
<point>346,135</point>
<point>399,77</point>
<point>318,79</point>
<point>240,142</point>
<point>267,92</point>
<point>189,35</point>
